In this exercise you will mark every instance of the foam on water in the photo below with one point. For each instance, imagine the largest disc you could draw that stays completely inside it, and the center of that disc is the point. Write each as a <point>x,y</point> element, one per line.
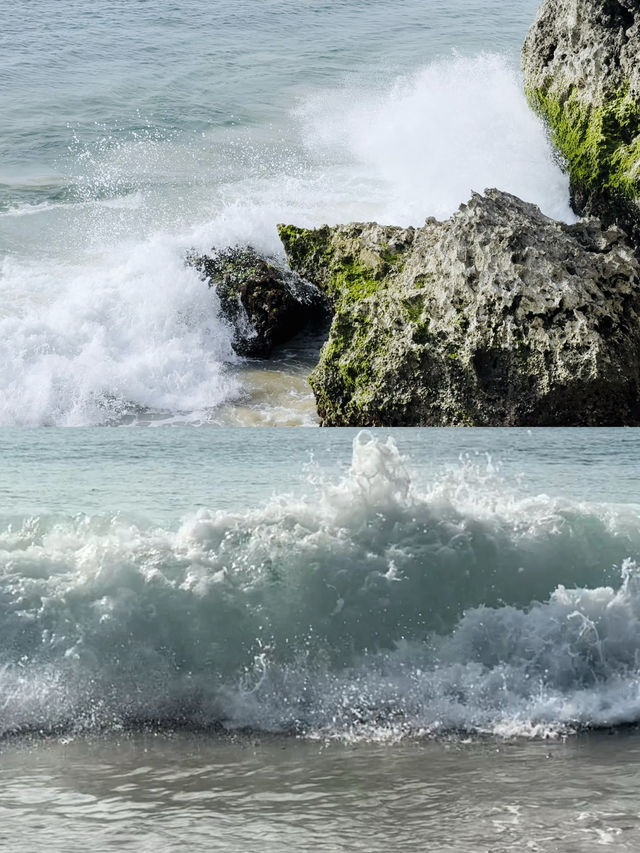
<point>101,320</point>
<point>366,609</point>
<point>91,345</point>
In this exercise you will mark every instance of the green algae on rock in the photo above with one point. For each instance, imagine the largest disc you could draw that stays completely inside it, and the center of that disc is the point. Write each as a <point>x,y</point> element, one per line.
<point>341,264</point>
<point>498,316</point>
<point>581,64</point>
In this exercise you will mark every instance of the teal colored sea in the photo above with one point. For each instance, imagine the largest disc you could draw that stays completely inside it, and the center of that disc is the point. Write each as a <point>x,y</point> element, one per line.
<point>135,131</point>
<point>331,584</point>
<point>223,639</point>
<point>324,639</point>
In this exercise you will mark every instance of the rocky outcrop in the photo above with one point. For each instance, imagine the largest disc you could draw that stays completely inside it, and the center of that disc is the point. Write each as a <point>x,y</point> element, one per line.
<point>581,63</point>
<point>265,304</point>
<point>498,316</point>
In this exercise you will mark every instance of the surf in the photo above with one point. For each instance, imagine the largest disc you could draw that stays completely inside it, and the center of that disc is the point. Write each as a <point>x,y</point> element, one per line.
<point>364,607</point>
<point>102,321</point>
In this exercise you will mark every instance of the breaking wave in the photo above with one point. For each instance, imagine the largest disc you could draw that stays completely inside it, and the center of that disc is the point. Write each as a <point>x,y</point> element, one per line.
<point>367,609</point>
<point>101,321</point>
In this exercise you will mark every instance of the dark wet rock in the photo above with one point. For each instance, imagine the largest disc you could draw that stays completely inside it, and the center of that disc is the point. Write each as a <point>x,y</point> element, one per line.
<point>266,304</point>
<point>497,316</point>
<point>581,63</point>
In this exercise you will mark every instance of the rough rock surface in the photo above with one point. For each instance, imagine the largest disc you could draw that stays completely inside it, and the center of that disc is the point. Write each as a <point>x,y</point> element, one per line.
<point>581,63</point>
<point>266,305</point>
<point>498,316</point>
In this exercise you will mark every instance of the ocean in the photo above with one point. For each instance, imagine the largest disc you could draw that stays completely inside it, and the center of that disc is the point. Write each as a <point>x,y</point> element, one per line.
<point>136,131</point>
<point>233,639</point>
<point>228,644</point>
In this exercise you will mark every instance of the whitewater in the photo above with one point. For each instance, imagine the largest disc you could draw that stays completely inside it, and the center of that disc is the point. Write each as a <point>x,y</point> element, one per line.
<point>375,597</point>
<point>331,639</point>
<point>149,132</point>
<point>222,639</point>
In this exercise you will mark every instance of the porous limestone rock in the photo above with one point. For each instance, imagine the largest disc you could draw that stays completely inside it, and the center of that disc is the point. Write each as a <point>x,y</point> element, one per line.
<point>497,316</point>
<point>581,63</point>
<point>265,304</point>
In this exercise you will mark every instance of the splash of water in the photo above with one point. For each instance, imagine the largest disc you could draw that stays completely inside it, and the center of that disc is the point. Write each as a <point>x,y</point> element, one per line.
<point>367,608</point>
<point>101,321</point>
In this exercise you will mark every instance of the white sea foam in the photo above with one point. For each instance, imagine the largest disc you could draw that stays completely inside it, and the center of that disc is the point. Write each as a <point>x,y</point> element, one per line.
<point>137,330</point>
<point>367,609</point>
<point>433,137</point>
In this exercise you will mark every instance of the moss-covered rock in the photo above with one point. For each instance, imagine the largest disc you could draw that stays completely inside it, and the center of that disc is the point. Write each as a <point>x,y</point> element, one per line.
<point>498,316</point>
<point>339,261</point>
<point>265,304</point>
<point>581,63</point>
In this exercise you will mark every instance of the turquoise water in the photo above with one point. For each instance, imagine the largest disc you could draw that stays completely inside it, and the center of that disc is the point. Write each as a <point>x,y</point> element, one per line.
<point>375,641</point>
<point>74,75</point>
<point>333,583</point>
<point>228,639</point>
<point>136,131</point>
<point>166,474</point>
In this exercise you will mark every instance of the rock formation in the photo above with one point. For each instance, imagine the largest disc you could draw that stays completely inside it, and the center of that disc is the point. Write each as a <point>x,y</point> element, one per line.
<point>581,63</point>
<point>266,305</point>
<point>498,316</point>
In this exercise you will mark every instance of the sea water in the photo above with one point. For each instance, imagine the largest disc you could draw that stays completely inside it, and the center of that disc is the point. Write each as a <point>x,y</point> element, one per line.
<point>153,793</point>
<point>327,639</point>
<point>133,132</point>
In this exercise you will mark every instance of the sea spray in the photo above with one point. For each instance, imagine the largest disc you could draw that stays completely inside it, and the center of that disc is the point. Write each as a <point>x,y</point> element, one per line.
<point>368,608</point>
<point>435,136</point>
<point>84,346</point>
<point>101,321</point>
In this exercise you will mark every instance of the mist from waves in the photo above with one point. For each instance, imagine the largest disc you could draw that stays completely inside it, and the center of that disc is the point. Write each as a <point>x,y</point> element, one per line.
<point>102,322</point>
<point>367,609</point>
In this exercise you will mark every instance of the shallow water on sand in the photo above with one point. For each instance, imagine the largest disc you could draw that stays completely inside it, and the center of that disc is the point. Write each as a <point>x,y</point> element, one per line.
<point>183,791</point>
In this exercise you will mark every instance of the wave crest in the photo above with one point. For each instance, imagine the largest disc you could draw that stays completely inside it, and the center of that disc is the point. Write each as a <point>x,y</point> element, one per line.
<point>367,606</point>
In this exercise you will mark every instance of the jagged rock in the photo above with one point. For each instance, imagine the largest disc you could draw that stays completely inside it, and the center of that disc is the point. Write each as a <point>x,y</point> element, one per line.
<point>581,63</point>
<point>498,316</point>
<point>265,304</point>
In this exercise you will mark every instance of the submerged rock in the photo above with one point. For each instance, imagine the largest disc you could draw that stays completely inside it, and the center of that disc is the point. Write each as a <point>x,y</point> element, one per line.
<point>498,316</point>
<point>265,304</point>
<point>581,63</point>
